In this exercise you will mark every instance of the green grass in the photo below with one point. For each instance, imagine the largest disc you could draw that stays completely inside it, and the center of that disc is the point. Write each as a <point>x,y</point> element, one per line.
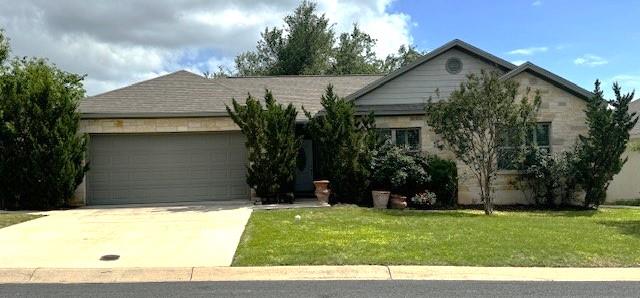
<point>7,219</point>
<point>632,202</point>
<point>352,235</point>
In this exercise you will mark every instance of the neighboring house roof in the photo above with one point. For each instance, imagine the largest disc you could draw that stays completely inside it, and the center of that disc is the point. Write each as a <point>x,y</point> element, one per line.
<point>456,43</point>
<point>551,77</point>
<point>635,107</point>
<point>185,94</point>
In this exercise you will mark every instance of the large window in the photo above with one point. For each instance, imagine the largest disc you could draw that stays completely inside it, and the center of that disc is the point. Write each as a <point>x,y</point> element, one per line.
<point>507,151</point>
<point>408,138</point>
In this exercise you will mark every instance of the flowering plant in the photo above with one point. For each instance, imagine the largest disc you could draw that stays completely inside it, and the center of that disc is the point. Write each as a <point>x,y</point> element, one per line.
<point>425,198</point>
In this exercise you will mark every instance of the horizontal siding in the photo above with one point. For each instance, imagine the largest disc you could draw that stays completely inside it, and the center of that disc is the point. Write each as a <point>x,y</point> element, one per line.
<point>420,83</point>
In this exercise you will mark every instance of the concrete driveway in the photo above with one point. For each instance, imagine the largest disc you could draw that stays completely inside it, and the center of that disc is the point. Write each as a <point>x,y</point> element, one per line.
<point>187,235</point>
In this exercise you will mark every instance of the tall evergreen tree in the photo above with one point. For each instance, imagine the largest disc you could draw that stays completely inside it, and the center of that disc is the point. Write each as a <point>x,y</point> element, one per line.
<point>355,54</point>
<point>41,152</point>
<point>303,46</point>
<point>600,151</point>
<point>405,55</point>
<point>345,144</point>
<point>4,47</point>
<point>272,144</point>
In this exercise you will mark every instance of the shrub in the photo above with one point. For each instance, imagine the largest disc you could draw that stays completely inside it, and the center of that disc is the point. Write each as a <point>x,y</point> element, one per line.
<point>396,170</point>
<point>344,143</point>
<point>444,180</point>
<point>272,144</point>
<point>548,179</point>
<point>423,199</point>
<point>41,151</point>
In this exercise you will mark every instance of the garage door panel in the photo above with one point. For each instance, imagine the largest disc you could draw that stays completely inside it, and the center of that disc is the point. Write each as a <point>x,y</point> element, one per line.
<point>166,168</point>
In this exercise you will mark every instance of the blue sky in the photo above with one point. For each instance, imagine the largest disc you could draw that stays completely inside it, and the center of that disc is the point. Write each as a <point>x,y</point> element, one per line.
<point>579,40</point>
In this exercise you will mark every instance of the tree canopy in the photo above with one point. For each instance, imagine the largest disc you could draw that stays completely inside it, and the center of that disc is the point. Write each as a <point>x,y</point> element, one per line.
<point>475,121</point>
<point>41,152</point>
<point>307,45</point>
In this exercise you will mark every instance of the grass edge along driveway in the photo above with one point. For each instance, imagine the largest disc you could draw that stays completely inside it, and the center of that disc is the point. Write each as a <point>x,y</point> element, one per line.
<point>361,236</point>
<point>11,218</point>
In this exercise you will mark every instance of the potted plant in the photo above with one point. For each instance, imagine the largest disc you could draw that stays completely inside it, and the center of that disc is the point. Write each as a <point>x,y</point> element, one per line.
<point>395,170</point>
<point>322,190</point>
<point>397,201</point>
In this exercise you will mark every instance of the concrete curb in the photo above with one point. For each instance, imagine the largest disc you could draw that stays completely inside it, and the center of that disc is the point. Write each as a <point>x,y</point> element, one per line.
<point>186,274</point>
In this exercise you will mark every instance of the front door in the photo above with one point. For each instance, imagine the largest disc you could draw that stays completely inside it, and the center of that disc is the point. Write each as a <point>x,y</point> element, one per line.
<point>304,171</point>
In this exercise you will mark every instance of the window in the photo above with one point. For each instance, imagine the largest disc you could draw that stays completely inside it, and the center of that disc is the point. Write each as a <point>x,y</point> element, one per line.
<point>539,137</point>
<point>408,138</point>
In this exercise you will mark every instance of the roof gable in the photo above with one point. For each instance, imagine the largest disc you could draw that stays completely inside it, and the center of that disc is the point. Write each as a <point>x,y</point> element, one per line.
<point>550,77</point>
<point>456,43</point>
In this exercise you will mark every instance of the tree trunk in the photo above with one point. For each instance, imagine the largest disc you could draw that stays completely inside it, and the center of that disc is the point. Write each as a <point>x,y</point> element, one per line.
<point>488,205</point>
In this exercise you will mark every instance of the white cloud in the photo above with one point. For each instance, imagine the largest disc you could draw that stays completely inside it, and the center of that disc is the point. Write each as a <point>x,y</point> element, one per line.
<point>518,62</point>
<point>528,51</point>
<point>120,42</point>
<point>590,60</point>
<point>536,3</point>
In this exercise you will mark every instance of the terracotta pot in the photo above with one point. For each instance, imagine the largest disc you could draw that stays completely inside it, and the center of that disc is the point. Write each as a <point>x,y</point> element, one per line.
<point>322,190</point>
<point>397,201</point>
<point>380,198</point>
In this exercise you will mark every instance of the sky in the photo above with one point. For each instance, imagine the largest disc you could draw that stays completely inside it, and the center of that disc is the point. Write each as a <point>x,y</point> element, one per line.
<point>116,43</point>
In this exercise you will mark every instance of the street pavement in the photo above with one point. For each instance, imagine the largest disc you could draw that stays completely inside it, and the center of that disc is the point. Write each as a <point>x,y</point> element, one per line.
<point>387,288</point>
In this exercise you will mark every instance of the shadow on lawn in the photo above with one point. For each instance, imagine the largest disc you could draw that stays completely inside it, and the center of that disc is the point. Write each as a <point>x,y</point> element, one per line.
<point>628,227</point>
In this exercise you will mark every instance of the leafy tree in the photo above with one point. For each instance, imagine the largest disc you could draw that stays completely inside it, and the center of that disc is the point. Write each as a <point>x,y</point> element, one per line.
<point>272,144</point>
<point>304,46</point>
<point>355,54</point>
<point>600,151</point>
<point>4,47</point>
<point>474,121</point>
<point>41,152</point>
<point>405,55</point>
<point>345,144</point>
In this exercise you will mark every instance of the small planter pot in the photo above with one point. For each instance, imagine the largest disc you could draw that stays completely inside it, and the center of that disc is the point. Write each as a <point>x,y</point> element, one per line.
<point>397,202</point>
<point>380,199</point>
<point>322,191</point>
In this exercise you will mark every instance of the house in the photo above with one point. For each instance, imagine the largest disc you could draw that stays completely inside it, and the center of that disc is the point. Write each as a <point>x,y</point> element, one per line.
<point>625,184</point>
<point>170,139</point>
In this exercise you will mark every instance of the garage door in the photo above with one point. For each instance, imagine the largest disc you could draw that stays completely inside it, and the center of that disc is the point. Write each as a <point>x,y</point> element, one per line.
<point>162,168</point>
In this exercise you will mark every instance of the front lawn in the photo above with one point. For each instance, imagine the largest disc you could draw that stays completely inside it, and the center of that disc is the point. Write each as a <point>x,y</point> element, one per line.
<point>7,219</point>
<point>352,235</point>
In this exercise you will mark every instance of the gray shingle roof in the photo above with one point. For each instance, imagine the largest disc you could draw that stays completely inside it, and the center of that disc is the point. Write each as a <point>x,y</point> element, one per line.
<point>553,78</point>
<point>635,107</point>
<point>183,93</point>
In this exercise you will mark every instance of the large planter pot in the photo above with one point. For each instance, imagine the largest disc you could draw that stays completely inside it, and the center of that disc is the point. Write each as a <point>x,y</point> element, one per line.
<point>322,190</point>
<point>380,198</point>
<point>397,201</point>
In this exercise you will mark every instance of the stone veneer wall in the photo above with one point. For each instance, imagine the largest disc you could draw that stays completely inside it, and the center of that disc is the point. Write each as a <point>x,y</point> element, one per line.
<point>150,125</point>
<point>564,110</point>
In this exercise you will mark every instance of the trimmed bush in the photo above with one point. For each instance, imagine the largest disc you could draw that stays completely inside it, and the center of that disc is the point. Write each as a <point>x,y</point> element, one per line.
<point>444,180</point>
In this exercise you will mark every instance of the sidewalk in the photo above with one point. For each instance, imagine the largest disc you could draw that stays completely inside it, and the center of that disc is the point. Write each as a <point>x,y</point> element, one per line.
<point>186,274</point>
